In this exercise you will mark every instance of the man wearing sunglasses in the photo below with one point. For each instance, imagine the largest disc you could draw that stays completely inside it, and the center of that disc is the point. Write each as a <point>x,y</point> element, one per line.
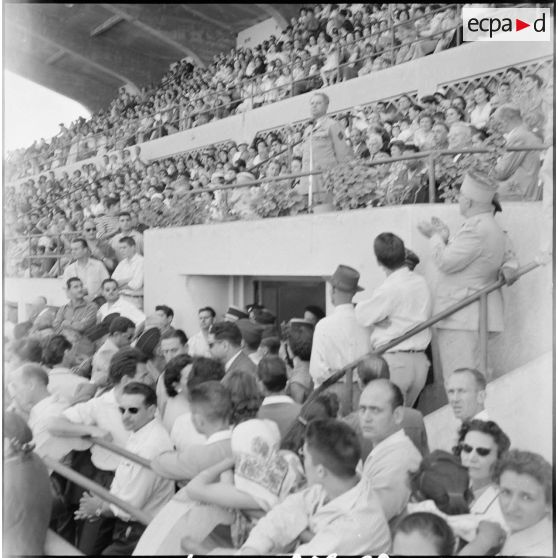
<point>101,418</point>
<point>133,483</point>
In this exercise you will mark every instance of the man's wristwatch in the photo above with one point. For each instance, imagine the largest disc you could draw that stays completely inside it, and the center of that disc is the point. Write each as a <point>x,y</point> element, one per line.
<point>99,511</point>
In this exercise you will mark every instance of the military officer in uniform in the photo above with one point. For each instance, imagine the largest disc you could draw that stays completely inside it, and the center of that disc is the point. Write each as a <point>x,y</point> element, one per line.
<point>471,260</point>
<point>324,144</point>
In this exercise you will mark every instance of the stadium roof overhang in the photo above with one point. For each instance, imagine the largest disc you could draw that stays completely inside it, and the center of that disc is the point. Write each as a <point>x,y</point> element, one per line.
<point>87,51</point>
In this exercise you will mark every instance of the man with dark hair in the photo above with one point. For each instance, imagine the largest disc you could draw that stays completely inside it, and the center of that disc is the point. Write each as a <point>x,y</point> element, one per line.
<point>299,349</point>
<point>92,272</point>
<point>98,417</point>
<point>313,314</point>
<point>339,511</point>
<point>172,344</point>
<point>116,304</point>
<point>125,227</point>
<point>166,313</point>
<point>135,484</point>
<point>224,342</point>
<point>251,337</point>
<point>74,318</point>
<point>399,304</point>
<point>59,356</point>
<point>393,455</point>
<point>121,333</point>
<point>277,405</point>
<point>197,344</point>
<point>129,272</point>
<point>210,404</point>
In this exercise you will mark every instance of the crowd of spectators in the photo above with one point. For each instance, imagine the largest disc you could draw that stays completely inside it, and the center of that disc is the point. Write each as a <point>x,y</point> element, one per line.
<point>56,208</point>
<point>325,44</point>
<point>247,442</point>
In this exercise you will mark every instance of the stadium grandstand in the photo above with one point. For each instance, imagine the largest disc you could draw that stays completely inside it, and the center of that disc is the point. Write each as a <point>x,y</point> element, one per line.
<point>288,289</point>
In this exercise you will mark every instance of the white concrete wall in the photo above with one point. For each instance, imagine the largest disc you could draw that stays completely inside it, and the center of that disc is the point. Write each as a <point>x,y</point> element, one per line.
<point>521,402</point>
<point>315,245</point>
<point>256,34</point>
<point>23,291</point>
<point>423,75</point>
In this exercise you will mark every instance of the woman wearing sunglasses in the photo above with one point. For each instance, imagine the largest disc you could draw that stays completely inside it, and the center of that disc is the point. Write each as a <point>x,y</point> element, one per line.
<point>480,445</point>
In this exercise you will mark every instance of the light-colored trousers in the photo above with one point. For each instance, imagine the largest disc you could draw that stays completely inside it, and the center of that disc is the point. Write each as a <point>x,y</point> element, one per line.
<point>408,371</point>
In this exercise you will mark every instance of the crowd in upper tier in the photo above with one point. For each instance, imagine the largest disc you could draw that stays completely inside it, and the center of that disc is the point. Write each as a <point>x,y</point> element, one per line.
<point>56,208</point>
<point>325,44</point>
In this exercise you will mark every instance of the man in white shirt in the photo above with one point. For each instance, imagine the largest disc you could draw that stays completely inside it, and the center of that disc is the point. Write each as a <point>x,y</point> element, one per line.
<point>125,223</point>
<point>100,417</point>
<point>393,455</point>
<point>401,303</point>
<point>338,338</point>
<point>129,272</point>
<point>197,344</point>
<point>60,357</point>
<point>339,512</point>
<point>28,385</point>
<point>133,483</point>
<point>92,272</point>
<point>277,405</point>
<point>116,304</point>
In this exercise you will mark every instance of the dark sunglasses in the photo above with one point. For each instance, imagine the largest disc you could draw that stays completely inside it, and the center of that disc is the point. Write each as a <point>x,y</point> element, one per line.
<point>131,410</point>
<point>482,452</point>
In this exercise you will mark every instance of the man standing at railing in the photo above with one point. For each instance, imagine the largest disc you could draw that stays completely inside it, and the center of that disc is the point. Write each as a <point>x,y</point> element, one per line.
<point>338,338</point>
<point>518,171</point>
<point>468,261</point>
<point>324,143</point>
<point>400,303</point>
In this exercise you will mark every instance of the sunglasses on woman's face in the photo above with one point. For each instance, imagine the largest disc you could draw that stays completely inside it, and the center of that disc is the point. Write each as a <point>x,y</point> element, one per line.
<point>131,410</point>
<point>482,452</point>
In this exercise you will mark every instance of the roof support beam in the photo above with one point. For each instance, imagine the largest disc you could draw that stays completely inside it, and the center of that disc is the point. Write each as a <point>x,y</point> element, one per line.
<point>199,14</point>
<point>275,14</point>
<point>106,25</point>
<point>74,54</point>
<point>56,56</point>
<point>160,35</point>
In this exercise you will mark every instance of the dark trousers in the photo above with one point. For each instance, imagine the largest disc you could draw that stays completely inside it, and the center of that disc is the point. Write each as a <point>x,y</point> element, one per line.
<point>96,534</point>
<point>125,537</point>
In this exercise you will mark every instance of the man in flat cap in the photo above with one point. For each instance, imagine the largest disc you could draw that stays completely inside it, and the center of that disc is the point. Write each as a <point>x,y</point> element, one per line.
<point>338,338</point>
<point>470,260</point>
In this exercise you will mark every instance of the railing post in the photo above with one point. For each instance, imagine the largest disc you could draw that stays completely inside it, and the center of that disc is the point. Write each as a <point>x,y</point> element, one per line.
<point>347,403</point>
<point>390,7</point>
<point>311,177</point>
<point>338,65</point>
<point>431,180</point>
<point>483,334</point>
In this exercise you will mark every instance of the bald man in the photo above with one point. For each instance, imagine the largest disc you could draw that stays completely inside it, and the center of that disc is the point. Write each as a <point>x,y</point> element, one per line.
<point>393,455</point>
<point>41,316</point>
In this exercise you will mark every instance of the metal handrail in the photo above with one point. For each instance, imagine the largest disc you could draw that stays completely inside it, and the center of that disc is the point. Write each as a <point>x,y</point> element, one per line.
<point>120,451</point>
<point>93,487</point>
<point>347,370</point>
<point>430,155</point>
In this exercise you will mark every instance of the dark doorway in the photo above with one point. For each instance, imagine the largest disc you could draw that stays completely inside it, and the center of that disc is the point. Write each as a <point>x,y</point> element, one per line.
<point>287,298</point>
